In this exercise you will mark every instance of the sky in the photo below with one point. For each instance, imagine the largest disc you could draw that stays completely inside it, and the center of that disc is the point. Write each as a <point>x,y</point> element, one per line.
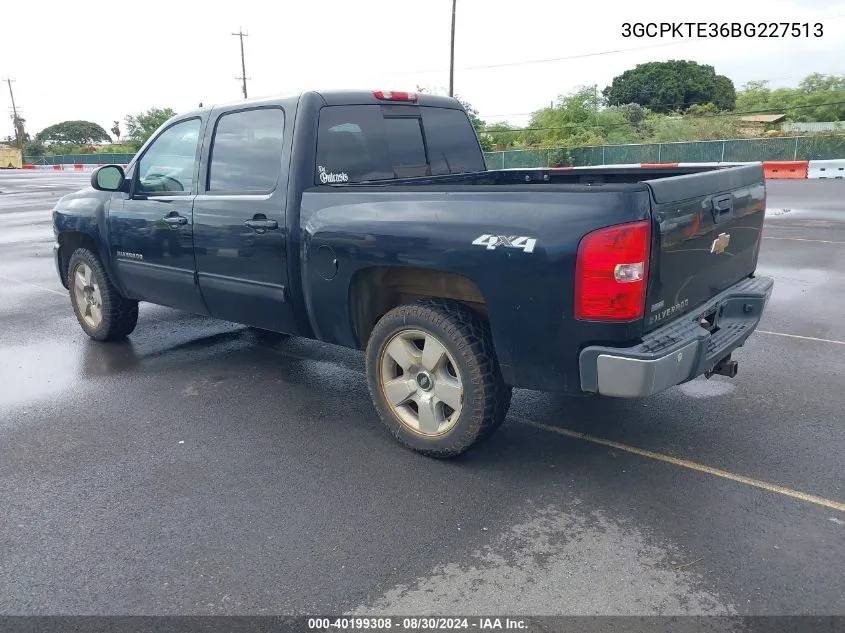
<point>99,61</point>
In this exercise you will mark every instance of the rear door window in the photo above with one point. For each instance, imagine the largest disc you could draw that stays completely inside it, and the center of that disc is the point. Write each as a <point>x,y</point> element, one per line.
<point>360,143</point>
<point>246,152</point>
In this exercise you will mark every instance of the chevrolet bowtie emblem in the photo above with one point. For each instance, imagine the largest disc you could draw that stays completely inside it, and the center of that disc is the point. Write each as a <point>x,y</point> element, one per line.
<point>720,243</point>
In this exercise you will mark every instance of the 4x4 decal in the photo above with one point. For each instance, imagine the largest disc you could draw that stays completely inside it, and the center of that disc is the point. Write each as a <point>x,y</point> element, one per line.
<point>508,241</point>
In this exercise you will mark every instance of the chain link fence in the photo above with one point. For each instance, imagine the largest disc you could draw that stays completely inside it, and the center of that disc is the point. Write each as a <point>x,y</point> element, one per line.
<point>79,159</point>
<point>817,147</point>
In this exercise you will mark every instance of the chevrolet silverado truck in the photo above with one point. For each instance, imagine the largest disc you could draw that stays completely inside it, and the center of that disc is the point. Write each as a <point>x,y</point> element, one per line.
<point>369,220</point>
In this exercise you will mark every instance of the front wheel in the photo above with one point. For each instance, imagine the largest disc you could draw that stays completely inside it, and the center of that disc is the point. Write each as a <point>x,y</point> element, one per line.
<point>434,377</point>
<point>102,312</point>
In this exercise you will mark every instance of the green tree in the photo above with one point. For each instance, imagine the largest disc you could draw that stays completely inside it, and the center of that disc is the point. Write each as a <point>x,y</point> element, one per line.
<point>502,136</point>
<point>817,97</point>
<point>669,86</point>
<point>141,126</point>
<point>578,118</point>
<point>34,148</point>
<point>73,133</point>
<point>479,124</point>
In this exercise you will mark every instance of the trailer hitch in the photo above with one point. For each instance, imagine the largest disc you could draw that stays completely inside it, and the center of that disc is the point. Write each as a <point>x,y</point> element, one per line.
<point>725,367</point>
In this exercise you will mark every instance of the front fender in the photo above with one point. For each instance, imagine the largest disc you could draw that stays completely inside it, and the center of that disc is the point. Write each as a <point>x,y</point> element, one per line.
<point>80,218</point>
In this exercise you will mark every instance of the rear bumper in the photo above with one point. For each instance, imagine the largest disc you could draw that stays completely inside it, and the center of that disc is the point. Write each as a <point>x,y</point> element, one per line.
<point>679,351</point>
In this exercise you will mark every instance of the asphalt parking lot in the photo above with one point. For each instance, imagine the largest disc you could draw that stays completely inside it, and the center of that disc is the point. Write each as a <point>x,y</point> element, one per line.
<point>205,468</point>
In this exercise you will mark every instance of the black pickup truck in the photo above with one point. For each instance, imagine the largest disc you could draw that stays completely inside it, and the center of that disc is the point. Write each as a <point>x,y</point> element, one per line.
<point>368,220</point>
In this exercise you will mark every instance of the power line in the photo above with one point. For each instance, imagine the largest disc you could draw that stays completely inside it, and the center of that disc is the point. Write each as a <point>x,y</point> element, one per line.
<point>554,59</point>
<point>243,76</point>
<point>595,54</point>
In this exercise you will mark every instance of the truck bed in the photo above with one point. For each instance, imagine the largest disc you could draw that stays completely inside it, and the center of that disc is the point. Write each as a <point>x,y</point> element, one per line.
<point>551,176</point>
<point>707,220</point>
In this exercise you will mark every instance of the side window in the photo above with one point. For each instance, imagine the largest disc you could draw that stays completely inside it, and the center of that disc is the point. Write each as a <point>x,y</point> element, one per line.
<point>169,164</point>
<point>246,151</point>
<point>452,143</point>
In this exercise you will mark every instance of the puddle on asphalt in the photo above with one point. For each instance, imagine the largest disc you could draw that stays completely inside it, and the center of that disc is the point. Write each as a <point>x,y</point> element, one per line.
<point>35,370</point>
<point>552,564</point>
<point>794,282</point>
<point>704,388</point>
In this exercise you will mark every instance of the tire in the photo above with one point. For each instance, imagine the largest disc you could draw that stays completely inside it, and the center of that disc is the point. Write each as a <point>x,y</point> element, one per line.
<point>93,295</point>
<point>447,395</point>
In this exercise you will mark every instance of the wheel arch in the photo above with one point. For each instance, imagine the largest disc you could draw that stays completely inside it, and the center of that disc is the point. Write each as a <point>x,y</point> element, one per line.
<point>70,241</point>
<point>376,290</point>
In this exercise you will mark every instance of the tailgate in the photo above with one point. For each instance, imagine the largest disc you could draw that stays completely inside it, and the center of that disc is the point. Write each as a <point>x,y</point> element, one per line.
<point>710,227</point>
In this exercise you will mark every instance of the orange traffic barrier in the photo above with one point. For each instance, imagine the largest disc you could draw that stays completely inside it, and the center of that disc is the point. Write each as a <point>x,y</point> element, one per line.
<point>785,169</point>
<point>28,167</point>
<point>651,165</point>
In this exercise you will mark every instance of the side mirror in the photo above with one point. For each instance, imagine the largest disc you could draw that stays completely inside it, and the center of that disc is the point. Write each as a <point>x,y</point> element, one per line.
<point>108,178</point>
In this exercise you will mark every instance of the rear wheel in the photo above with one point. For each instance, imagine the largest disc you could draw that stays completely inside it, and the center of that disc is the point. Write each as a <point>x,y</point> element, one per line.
<point>102,312</point>
<point>434,377</point>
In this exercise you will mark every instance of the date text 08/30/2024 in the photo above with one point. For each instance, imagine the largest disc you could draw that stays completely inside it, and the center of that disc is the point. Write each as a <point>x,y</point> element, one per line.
<point>722,29</point>
<point>416,624</point>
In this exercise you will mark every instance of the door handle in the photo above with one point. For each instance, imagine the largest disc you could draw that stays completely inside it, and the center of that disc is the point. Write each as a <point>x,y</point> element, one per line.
<point>175,220</point>
<point>262,224</point>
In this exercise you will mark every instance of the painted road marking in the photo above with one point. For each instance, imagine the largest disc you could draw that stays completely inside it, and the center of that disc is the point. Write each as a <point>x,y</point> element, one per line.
<point>684,463</point>
<point>63,294</point>
<point>26,283</point>
<point>803,338</point>
<point>801,239</point>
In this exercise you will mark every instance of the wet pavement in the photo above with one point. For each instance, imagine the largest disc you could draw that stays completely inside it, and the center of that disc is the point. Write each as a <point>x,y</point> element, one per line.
<point>203,467</point>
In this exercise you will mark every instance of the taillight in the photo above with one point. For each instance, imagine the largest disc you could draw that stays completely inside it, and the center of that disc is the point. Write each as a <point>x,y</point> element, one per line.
<point>611,273</point>
<point>396,96</point>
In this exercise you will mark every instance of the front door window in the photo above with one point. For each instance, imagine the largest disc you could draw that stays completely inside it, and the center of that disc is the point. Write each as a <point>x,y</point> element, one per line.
<point>169,164</point>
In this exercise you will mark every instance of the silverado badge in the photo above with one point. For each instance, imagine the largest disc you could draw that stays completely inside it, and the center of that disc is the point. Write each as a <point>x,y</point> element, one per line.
<point>720,243</point>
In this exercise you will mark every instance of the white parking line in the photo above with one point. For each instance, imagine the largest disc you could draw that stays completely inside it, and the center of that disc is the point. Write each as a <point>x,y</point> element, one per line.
<point>685,463</point>
<point>26,283</point>
<point>804,338</point>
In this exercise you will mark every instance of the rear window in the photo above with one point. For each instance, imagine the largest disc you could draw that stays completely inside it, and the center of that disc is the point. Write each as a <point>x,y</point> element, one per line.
<point>360,143</point>
<point>452,144</point>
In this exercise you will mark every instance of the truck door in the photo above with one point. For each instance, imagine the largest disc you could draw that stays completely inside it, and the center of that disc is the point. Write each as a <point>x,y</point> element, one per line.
<point>240,235</point>
<point>151,229</point>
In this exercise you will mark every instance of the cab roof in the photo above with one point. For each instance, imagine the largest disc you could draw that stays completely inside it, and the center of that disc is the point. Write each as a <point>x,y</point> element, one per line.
<point>341,97</point>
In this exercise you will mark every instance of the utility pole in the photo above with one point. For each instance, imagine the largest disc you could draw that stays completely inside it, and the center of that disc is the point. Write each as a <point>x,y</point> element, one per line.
<point>14,113</point>
<point>243,76</point>
<point>452,54</point>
